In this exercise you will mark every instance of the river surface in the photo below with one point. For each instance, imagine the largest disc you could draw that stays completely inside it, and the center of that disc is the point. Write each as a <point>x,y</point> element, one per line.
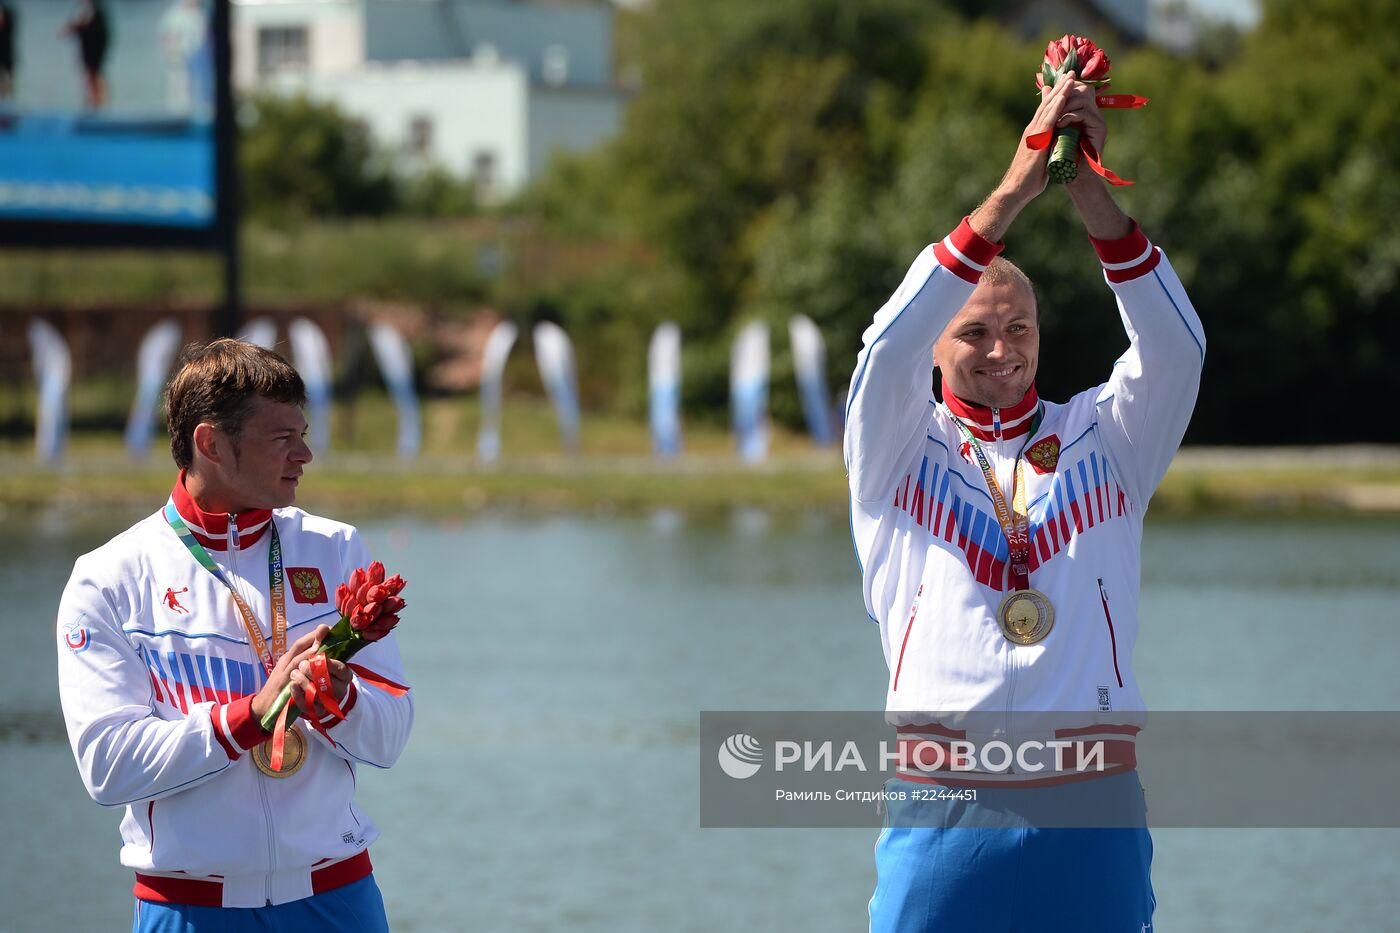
<point>560,664</point>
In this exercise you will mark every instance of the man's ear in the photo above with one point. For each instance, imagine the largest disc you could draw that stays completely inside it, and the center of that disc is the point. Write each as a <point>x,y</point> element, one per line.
<point>206,442</point>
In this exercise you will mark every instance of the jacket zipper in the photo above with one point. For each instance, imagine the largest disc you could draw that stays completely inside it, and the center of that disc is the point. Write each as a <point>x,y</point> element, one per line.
<point>233,548</point>
<point>1011,650</point>
<point>1112,639</point>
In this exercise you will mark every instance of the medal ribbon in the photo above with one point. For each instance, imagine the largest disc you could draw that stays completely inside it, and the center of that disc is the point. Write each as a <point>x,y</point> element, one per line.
<point>276,587</point>
<point>1015,521</point>
<point>277,590</point>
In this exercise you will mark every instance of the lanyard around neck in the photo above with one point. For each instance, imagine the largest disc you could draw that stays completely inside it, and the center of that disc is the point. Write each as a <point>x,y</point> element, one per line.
<point>1015,521</point>
<point>276,587</point>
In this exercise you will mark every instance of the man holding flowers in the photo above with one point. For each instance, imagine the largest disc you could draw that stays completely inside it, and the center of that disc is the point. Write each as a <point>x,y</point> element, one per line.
<point>999,538</point>
<point>182,635</point>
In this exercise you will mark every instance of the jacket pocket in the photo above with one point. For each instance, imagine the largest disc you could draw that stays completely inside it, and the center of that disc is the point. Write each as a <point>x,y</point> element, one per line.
<point>1112,637</point>
<point>904,644</point>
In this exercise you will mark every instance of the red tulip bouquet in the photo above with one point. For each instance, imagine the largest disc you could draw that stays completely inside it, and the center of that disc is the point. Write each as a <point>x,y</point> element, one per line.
<point>369,608</point>
<point>1090,64</point>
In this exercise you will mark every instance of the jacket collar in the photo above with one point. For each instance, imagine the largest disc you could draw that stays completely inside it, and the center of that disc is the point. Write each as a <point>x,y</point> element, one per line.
<point>995,424</point>
<point>211,529</point>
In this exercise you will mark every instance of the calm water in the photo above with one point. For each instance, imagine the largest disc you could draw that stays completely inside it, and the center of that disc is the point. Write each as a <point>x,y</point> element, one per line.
<point>560,664</point>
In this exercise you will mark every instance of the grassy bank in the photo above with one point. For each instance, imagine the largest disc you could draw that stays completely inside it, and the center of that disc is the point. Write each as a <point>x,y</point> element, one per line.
<point>614,470</point>
<point>439,262</point>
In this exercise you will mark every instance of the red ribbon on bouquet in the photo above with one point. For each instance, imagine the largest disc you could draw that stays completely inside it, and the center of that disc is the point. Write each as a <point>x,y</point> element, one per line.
<point>1121,101</point>
<point>1086,148</point>
<point>320,688</point>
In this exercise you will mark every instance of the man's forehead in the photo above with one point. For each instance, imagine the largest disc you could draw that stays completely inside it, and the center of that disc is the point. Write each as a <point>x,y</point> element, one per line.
<point>271,415</point>
<point>1002,301</point>
<point>995,312</point>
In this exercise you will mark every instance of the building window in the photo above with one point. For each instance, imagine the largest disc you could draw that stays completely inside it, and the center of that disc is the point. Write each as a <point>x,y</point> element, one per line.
<point>283,50</point>
<point>420,136</point>
<point>484,175</point>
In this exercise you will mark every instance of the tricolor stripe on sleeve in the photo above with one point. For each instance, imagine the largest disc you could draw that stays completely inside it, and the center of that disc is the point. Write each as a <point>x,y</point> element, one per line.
<point>1126,259</point>
<point>965,253</point>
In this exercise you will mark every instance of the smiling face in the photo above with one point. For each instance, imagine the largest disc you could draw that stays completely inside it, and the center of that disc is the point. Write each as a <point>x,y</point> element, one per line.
<point>258,468</point>
<point>989,352</point>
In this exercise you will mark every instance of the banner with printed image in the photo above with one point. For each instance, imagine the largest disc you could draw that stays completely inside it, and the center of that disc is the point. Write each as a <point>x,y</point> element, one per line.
<point>111,124</point>
<point>493,366</point>
<point>153,361</point>
<point>748,391</point>
<point>395,360</point>
<point>664,389</point>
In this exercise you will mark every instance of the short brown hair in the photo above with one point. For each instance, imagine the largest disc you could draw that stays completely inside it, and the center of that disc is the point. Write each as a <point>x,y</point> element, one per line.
<point>1002,271</point>
<point>216,383</point>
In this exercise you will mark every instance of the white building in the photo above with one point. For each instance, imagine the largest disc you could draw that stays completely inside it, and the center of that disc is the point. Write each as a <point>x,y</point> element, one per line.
<point>489,89</point>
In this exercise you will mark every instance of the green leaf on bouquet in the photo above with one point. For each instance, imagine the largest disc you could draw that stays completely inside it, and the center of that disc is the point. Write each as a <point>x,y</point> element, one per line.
<point>1048,74</point>
<point>340,631</point>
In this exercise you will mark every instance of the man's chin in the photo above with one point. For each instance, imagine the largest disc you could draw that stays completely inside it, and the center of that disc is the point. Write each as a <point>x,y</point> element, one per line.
<point>1002,396</point>
<point>288,493</point>
<point>284,499</point>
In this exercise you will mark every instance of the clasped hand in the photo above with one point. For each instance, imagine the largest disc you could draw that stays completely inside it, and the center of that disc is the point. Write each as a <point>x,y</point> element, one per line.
<point>294,668</point>
<point>1069,103</point>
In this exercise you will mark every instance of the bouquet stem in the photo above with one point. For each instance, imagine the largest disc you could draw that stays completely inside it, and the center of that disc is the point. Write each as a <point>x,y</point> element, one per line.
<point>1064,157</point>
<point>269,720</point>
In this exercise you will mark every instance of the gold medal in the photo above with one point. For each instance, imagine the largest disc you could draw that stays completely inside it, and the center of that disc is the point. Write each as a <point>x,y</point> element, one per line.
<point>1026,616</point>
<point>293,755</point>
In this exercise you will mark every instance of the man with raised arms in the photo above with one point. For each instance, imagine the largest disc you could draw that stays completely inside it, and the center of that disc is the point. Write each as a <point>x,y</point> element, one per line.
<point>999,540</point>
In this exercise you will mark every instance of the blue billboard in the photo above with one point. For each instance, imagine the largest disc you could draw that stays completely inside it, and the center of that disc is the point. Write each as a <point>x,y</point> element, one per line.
<point>113,119</point>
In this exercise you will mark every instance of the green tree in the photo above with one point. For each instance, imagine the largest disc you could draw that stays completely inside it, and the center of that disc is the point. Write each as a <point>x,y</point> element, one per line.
<point>436,192</point>
<point>745,105</point>
<point>299,158</point>
<point>794,156</point>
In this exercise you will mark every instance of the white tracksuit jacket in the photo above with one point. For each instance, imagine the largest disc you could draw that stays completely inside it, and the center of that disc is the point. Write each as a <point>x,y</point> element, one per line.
<point>157,676</point>
<point>923,521</point>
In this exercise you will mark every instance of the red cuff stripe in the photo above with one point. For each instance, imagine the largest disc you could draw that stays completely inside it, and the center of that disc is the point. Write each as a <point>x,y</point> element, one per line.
<point>216,718</point>
<point>965,253</point>
<point>351,695</point>
<point>950,262</point>
<point>973,245</point>
<point>1125,249</point>
<point>1135,271</point>
<point>1127,258</point>
<point>244,727</point>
